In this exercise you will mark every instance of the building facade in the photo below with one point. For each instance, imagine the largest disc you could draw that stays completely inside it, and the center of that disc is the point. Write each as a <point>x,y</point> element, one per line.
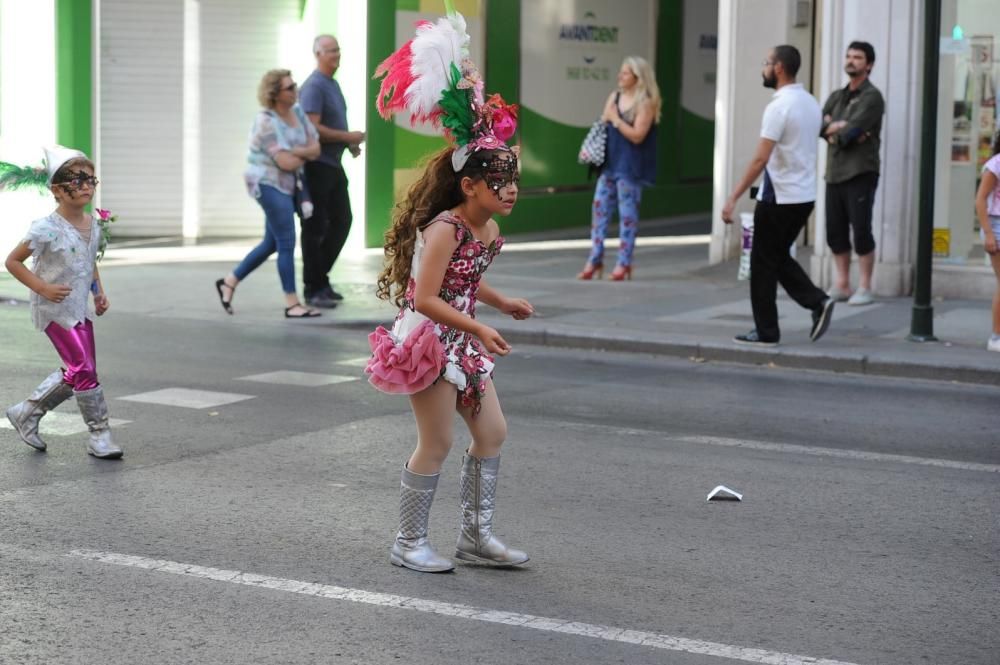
<point>966,113</point>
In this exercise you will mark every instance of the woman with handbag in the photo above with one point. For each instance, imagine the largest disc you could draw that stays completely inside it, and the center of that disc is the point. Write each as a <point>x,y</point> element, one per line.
<point>631,113</point>
<point>281,142</point>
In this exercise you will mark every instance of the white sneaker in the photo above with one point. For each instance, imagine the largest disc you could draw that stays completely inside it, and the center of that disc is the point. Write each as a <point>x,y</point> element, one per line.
<point>993,344</point>
<point>861,297</point>
<point>839,295</point>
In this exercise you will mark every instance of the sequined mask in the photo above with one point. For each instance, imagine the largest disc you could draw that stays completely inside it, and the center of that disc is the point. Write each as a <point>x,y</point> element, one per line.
<point>500,172</point>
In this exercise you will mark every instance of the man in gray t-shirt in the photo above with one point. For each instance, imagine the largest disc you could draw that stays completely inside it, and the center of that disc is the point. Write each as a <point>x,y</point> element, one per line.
<point>324,234</point>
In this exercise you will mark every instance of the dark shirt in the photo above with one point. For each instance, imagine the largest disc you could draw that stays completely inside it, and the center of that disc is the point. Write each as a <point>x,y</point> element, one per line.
<point>633,162</point>
<point>321,94</point>
<point>855,148</point>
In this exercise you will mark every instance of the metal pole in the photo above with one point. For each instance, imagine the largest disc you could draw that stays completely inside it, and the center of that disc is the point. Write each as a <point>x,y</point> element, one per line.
<point>922,321</point>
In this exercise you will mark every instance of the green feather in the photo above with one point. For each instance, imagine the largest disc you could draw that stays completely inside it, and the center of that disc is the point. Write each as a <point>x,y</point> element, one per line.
<point>14,177</point>
<point>456,105</point>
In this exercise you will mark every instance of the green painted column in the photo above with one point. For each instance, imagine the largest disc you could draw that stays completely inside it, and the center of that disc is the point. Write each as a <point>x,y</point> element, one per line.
<point>380,142</point>
<point>74,80</point>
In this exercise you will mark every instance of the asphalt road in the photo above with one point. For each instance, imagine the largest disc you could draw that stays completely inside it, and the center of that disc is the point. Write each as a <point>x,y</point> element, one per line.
<point>867,534</point>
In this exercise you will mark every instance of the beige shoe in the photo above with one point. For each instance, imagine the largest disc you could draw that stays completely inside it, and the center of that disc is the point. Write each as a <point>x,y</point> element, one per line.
<point>861,297</point>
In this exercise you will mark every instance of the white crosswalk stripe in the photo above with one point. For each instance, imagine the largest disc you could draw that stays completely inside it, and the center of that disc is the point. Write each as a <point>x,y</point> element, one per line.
<point>306,379</point>
<point>187,398</point>
<point>527,621</point>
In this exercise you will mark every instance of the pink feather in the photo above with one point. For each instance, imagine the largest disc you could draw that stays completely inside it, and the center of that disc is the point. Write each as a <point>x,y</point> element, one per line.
<point>398,78</point>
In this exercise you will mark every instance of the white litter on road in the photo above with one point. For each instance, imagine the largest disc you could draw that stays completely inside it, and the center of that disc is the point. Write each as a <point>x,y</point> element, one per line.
<point>723,493</point>
<point>608,633</point>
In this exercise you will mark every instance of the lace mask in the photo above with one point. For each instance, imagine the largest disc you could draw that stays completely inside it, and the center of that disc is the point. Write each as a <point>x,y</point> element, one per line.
<point>500,172</point>
<point>76,180</point>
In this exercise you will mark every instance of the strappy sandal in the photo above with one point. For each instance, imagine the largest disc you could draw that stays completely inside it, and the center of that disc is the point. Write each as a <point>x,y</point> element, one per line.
<point>306,312</point>
<point>226,304</point>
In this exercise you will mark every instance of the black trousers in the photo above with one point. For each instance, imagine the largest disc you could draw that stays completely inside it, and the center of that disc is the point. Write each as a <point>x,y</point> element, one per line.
<point>775,228</point>
<point>324,234</point>
<point>849,210</point>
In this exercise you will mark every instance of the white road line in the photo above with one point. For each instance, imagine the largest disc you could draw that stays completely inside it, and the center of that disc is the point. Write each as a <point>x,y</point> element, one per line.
<point>833,452</point>
<point>610,634</point>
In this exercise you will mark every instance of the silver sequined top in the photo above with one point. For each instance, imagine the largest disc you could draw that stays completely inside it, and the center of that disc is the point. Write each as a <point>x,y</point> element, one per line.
<point>62,255</point>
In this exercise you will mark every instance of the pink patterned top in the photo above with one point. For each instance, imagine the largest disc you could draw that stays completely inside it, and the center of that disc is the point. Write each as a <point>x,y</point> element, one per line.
<point>993,202</point>
<point>467,363</point>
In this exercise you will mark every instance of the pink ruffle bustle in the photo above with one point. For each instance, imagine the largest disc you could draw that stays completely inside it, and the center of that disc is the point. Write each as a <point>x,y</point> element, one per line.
<point>407,368</point>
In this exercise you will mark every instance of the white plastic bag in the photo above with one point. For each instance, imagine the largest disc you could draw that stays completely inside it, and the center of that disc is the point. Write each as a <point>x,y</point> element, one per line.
<point>746,222</point>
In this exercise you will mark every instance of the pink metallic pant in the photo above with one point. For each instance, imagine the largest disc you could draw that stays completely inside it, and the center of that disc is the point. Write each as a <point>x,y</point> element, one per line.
<point>76,349</point>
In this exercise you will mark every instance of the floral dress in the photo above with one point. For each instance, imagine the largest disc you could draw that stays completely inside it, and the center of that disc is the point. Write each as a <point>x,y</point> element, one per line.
<point>418,351</point>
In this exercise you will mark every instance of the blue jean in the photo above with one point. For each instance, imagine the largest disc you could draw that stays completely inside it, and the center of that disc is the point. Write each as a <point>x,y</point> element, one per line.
<point>279,235</point>
<point>624,195</point>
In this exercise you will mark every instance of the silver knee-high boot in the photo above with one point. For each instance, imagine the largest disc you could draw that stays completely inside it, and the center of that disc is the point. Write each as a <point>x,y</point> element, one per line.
<point>95,413</point>
<point>476,542</point>
<point>25,416</point>
<point>412,548</point>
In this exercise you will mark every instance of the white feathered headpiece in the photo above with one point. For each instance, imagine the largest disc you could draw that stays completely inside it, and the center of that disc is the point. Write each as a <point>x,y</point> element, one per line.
<point>432,77</point>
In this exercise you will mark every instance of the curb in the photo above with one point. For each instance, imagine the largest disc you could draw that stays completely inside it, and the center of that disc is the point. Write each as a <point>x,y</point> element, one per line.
<point>848,364</point>
<point>860,363</point>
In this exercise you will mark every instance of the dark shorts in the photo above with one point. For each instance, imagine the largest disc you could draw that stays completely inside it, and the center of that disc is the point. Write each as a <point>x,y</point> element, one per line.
<point>849,211</point>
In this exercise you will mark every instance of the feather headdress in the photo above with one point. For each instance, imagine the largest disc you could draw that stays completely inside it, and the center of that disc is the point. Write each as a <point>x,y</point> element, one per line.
<point>14,177</point>
<point>433,78</point>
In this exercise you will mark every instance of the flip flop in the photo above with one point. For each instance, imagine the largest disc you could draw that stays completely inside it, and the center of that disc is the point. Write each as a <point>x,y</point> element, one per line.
<point>306,314</point>
<point>226,304</point>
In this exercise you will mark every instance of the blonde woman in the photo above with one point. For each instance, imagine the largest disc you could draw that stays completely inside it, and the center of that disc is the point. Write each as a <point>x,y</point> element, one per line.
<point>281,142</point>
<point>632,113</point>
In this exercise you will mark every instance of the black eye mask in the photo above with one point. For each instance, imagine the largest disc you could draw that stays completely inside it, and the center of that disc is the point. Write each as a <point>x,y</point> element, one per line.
<point>500,172</point>
<point>76,180</point>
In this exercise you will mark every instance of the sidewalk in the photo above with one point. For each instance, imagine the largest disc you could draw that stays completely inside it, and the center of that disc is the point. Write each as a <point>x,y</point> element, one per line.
<point>676,305</point>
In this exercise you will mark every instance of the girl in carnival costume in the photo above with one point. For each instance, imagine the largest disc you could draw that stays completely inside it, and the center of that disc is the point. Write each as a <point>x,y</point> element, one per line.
<point>442,239</point>
<point>65,245</point>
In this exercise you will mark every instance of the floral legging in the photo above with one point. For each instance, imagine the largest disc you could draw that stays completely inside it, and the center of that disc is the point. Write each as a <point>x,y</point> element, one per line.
<point>624,194</point>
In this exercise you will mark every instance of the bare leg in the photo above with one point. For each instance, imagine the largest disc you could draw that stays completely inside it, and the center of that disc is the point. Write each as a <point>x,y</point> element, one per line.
<point>488,428</point>
<point>434,411</point>
<point>995,260</point>
<point>480,469</point>
<point>229,283</point>
<point>842,262</point>
<point>866,266</point>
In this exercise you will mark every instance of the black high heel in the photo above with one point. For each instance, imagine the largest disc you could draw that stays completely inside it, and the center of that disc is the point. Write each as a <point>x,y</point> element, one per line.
<point>226,304</point>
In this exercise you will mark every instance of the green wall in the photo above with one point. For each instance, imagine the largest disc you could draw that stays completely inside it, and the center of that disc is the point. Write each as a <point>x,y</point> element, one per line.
<point>685,141</point>
<point>74,101</point>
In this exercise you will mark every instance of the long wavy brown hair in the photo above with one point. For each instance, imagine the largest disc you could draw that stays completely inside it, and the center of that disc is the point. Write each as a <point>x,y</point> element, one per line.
<point>437,190</point>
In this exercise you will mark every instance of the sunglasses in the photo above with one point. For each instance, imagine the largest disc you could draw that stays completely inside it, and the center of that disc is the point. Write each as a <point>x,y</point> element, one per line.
<point>291,86</point>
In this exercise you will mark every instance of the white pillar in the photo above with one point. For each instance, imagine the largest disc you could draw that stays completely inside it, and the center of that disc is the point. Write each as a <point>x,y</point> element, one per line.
<point>894,28</point>
<point>747,30</point>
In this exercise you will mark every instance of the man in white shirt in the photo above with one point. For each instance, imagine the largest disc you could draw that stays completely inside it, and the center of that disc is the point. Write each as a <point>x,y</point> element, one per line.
<point>786,154</point>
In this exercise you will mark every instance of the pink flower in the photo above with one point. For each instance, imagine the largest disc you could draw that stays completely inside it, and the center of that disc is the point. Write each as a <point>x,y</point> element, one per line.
<point>471,365</point>
<point>102,214</point>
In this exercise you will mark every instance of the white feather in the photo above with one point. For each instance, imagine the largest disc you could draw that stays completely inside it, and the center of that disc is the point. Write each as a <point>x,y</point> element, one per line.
<point>435,48</point>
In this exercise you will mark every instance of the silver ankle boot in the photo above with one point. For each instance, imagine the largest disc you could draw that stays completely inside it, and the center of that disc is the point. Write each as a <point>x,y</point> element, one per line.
<point>25,416</point>
<point>412,548</point>
<point>476,542</point>
<point>95,413</point>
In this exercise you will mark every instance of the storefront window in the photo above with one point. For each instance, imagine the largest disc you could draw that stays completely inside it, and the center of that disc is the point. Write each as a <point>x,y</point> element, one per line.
<point>967,122</point>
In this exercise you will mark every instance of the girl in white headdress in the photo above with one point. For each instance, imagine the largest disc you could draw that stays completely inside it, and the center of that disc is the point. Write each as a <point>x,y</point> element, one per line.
<point>65,245</point>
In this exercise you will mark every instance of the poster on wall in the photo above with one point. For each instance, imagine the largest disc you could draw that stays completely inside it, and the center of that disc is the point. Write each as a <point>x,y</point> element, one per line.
<point>571,51</point>
<point>701,26</point>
